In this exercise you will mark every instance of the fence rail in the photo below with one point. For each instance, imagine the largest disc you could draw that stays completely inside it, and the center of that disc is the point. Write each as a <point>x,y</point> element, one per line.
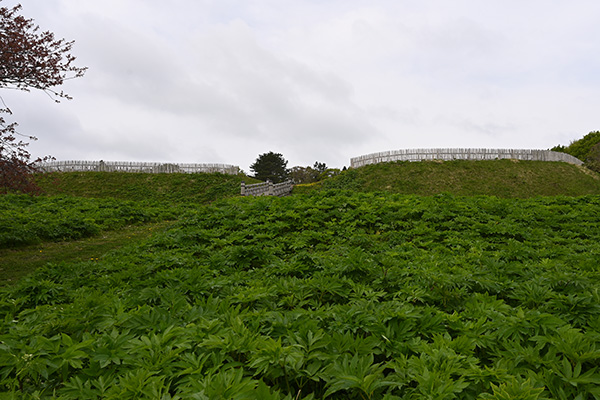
<point>462,154</point>
<point>267,189</point>
<point>133,166</point>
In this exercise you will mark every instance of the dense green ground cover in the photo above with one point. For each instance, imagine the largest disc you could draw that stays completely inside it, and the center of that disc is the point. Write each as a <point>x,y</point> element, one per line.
<point>27,219</point>
<point>502,178</point>
<point>335,295</point>
<point>17,262</point>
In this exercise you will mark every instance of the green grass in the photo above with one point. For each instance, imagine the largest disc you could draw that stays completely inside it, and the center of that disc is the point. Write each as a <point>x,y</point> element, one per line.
<point>198,188</point>
<point>38,230</point>
<point>501,178</point>
<point>17,263</point>
<point>29,219</point>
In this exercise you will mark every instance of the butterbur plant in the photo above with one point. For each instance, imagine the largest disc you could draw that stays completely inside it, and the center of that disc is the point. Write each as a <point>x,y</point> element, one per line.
<point>333,295</point>
<point>357,375</point>
<point>516,388</point>
<point>26,220</point>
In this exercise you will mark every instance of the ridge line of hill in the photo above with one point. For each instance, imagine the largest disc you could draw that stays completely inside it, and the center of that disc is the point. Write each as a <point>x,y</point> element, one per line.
<point>501,178</point>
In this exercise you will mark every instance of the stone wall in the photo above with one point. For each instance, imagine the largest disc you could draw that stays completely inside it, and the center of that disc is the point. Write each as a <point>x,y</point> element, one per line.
<point>267,189</point>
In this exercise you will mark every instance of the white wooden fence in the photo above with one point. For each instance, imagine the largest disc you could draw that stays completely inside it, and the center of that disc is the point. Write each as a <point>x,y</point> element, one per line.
<point>462,154</point>
<point>267,189</point>
<point>126,166</point>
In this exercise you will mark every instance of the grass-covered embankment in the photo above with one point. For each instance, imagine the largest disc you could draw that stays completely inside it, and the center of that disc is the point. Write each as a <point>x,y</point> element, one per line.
<point>197,188</point>
<point>501,178</point>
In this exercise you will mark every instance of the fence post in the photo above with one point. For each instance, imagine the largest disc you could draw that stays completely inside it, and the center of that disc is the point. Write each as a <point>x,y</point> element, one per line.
<point>243,189</point>
<point>270,188</point>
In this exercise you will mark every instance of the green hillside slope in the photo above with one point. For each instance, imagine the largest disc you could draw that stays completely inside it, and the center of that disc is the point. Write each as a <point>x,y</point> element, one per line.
<point>198,188</point>
<point>502,178</point>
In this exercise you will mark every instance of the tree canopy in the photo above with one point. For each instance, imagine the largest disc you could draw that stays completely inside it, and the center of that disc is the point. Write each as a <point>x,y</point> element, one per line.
<point>309,174</point>
<point>270,166</point>
<point>586,149</point>
<point>29,59</point>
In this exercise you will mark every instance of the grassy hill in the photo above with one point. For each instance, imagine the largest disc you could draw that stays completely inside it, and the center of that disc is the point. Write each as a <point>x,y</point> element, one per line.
<point>328,295</point>
<point>197,188</point>
<point>501,178</point>
<point>167,196</point>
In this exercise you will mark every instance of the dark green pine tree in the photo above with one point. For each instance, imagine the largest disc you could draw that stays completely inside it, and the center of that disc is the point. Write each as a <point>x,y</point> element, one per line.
<point>270,166</point>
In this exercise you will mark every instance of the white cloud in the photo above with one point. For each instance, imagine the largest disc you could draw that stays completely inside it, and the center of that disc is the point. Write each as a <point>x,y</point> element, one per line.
<point>224,81</point>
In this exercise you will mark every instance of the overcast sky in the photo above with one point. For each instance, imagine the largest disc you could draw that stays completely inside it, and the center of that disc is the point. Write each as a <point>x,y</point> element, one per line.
<point>222,81</point>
